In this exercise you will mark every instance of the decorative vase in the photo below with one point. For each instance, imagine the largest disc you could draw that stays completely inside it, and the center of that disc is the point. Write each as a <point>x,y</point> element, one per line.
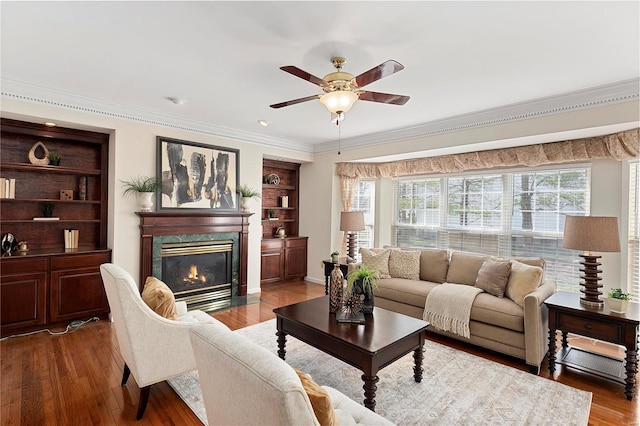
<point>618,306</point>
<point>334,258</point>
<point>365,293</point>
<point>335,289</point>
<point>244,202</point>
<point>145,201</point>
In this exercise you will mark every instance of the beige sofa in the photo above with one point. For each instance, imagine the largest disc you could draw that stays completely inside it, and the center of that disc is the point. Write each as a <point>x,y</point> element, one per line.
<point>496,323</point>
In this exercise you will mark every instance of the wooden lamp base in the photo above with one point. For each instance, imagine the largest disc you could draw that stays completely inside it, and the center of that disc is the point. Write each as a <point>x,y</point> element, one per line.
<point>590,281</point>
<point>352,244</point>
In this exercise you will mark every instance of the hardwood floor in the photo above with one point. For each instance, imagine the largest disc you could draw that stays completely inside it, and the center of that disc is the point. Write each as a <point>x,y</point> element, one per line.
<point>74,379</point>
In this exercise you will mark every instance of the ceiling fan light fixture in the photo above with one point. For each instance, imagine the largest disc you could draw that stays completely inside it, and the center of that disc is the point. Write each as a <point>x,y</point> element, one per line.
<point>339,101</point>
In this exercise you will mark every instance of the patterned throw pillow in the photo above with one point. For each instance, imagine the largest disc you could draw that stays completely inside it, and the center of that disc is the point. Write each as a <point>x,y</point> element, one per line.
<point>377,261</point>
<point>159,298</point>
<point>405,264</point>
<point>493,276</point>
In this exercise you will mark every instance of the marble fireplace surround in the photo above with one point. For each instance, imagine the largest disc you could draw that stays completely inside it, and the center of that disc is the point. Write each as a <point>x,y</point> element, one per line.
<point>163,226</point>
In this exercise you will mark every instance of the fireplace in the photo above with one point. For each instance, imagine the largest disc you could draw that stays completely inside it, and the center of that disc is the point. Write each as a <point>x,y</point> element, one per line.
<point>199,272</point>
<point>202,257</point>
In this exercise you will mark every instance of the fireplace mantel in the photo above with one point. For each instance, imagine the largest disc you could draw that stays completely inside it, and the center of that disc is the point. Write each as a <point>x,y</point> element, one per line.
<point>178,223</point>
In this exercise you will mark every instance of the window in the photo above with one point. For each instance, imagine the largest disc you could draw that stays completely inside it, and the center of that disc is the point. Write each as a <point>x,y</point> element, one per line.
<point>633,268</point>
<point>365,201</point>
<point>507,214</point>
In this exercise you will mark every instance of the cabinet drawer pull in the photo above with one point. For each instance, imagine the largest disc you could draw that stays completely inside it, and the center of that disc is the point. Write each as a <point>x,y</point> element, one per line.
<point>588,326</point>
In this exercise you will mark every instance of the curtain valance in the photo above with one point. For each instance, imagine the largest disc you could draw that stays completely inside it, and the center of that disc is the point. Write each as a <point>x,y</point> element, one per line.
<point>618,146</point>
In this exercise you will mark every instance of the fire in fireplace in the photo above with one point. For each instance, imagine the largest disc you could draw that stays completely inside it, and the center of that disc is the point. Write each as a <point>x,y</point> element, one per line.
<point>199,272</point>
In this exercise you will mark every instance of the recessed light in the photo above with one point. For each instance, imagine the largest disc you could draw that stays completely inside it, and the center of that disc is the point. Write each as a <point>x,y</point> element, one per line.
<point>263,123</point>
<point>178,101</point>
<point>49,124</point>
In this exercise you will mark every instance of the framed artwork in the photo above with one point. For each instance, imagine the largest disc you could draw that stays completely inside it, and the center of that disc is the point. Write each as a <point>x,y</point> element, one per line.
<point>196,176</point>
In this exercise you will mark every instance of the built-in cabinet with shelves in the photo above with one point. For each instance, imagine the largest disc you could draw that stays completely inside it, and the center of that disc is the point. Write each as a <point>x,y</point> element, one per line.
<point>282,257</point>
<point>50,283</point>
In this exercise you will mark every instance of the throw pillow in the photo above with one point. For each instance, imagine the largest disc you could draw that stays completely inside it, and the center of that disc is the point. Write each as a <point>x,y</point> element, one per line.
<point>377,261</point>
<point>464,267</point>
<point>522,281</point>
<point>405,264</point>
<point>320,400</point>
<point>493,276</point>
<point>434,264</point>
<point>159,298</point>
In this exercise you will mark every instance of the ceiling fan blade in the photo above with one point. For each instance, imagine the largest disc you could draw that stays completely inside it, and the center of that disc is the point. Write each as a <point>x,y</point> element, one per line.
<point>384,98</point>
<point>294,101</point>
<point>304,75</point>
<point>385,69</point>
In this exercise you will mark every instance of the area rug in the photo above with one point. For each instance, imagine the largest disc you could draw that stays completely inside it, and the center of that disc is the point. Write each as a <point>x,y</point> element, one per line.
<point>457,387</point>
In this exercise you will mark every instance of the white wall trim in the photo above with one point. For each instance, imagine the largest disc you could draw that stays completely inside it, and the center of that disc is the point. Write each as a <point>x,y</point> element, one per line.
<point>619,92</point>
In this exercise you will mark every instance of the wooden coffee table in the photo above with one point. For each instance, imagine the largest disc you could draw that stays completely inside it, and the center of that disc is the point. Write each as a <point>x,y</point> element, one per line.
<point>384,338</point>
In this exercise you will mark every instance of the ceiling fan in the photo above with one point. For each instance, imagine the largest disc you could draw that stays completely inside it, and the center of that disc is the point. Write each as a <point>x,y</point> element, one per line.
<point>342,89</point>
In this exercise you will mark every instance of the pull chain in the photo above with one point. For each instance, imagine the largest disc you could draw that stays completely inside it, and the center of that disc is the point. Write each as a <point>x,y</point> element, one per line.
<point>338,124</point>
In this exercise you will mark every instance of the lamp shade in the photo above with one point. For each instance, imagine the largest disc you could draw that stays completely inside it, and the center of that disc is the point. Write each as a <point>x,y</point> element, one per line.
<point>352,221</point>
<point>338,101</point>
<point>591,233</point>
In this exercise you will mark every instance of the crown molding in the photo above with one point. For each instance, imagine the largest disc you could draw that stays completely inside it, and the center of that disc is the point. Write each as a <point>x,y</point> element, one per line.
<point>619,92</point>
<point>614,93</point>
<point>45,96</point>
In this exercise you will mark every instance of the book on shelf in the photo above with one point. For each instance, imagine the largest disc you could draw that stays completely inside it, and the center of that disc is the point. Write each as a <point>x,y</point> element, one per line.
<point>7,188</point>
<point>71,239</point>
<point>45,219</point>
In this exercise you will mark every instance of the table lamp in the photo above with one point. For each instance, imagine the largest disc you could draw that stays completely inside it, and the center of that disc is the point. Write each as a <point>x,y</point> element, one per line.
<point>351,222</point>
<point>591,233</point>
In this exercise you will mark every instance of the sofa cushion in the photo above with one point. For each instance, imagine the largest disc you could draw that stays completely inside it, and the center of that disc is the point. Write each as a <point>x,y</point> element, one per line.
<point>493,276</point>
<point>404,264</point>
<point>496,311</point>
<point>319,398</point>
<point>533,261</point>
<point>159,298</point>
<point>434,265</point>
<point>522,281</point>
<point>377,259</point>
<point>464,267</point>
<point>401,290</point>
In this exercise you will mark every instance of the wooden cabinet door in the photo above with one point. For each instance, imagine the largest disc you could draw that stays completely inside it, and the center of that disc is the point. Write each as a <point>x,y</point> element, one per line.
<point>271,261</point>
<point>296,258</point>
<point>23,292</point>
<point>76,286</point>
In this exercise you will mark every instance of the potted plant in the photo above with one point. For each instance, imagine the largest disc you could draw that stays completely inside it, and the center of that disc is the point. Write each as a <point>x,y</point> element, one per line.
<point>362,282</point>
<point>54,158</point>
<point>246,194</point>
<point>334,257</point>
<point>271,213</point>
<point>617,300</point>
<point>144,187</point>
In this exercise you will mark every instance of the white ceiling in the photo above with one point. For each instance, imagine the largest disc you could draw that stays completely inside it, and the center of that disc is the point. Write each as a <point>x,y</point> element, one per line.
<point>127,58</point>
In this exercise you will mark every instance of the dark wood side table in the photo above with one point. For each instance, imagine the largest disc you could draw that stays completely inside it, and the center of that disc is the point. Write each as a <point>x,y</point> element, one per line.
<point>568,315</point>
<point>328,267</point>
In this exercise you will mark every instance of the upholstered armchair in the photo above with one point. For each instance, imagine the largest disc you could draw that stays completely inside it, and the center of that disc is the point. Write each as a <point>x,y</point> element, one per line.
<point>154,348</point>
<point>245,384</point>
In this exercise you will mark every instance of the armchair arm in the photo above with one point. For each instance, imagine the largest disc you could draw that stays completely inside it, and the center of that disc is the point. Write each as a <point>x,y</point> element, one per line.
<point>181,307</point>
<point>536,323</point>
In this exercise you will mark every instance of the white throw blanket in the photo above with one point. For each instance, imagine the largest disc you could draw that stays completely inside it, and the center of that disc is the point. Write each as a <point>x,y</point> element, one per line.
<point>448,307</point>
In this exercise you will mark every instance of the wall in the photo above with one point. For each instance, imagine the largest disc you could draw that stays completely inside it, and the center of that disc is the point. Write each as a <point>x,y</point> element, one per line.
<point>133,152</point>
<point>609,193</point>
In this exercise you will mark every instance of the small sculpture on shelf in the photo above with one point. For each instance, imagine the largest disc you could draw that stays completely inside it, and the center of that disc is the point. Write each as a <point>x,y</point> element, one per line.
<point>9,244</point>
<point>23,248</point>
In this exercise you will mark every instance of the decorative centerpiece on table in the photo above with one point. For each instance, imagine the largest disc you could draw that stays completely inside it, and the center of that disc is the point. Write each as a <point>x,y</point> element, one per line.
<point>617,300</point>
<point>360,286</point>
<point>246,194</point>
<point>144,187</point>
